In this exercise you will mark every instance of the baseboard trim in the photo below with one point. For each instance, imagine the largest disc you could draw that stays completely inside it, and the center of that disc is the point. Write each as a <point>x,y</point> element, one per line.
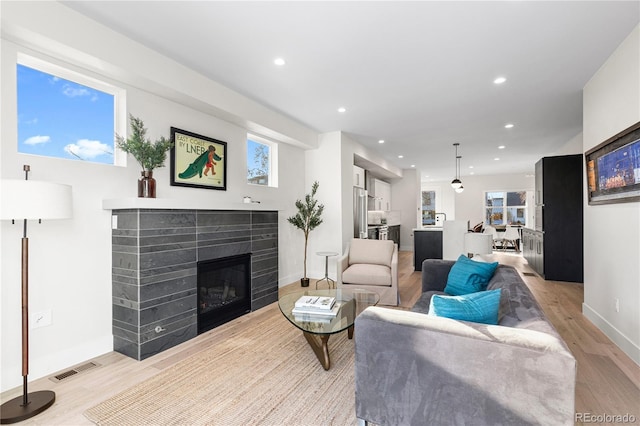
<point>616,336</point>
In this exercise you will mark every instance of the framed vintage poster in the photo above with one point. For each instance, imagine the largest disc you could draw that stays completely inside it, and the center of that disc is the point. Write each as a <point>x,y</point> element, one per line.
<point>613,168</point>
<point>198,161</point>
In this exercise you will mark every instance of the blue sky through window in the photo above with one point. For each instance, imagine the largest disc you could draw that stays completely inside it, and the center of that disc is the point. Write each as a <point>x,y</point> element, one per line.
<point>63,119</point>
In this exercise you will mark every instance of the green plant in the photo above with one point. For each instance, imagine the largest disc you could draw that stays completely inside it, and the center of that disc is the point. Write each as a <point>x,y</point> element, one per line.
<point>149,154</point>
<point>307,218</point>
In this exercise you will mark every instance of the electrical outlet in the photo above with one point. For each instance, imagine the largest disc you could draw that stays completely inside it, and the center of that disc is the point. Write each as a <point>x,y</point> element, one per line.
<point>617,305</point>
<point>40,319</point>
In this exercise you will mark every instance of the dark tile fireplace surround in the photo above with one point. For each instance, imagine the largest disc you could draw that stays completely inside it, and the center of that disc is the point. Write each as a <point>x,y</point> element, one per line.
<point>154,275</point>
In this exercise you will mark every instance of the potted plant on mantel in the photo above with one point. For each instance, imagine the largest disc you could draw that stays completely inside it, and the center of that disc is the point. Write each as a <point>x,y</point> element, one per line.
<point>307,219</point>
<point>150,155</point>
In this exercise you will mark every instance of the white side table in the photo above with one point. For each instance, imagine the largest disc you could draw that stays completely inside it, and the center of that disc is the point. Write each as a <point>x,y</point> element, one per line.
<point>327,254</point>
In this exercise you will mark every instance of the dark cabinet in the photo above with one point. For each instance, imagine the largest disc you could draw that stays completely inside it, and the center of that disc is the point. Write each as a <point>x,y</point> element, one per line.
<point>427,245</point>
<point>555,249</point>
<point>533,249</point>
<point>394,234</point>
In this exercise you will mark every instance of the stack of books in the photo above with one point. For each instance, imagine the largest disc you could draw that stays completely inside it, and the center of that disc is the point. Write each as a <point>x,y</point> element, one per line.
<point>316,308</point>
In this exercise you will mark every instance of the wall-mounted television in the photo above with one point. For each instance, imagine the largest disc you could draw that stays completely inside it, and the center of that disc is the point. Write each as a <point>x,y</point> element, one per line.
<point>613,168</point>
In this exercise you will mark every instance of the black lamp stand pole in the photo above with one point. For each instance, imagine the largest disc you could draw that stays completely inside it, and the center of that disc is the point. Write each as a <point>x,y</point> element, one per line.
<point>29,404</point>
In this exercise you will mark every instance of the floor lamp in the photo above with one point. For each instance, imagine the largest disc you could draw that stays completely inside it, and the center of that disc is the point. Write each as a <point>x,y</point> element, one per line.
<point>30,200</point>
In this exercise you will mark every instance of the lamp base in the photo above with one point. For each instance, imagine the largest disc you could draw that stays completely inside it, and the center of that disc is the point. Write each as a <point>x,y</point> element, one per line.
<point>13,411</point>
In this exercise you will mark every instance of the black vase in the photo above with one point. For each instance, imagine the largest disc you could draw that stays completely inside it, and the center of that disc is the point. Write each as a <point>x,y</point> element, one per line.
<point>304,282</point>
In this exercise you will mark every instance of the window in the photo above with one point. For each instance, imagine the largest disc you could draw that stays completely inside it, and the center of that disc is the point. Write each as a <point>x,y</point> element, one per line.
<point>261,161</point>
<point>428,208</point>
<point>64,114</point>
<point>505,208</point>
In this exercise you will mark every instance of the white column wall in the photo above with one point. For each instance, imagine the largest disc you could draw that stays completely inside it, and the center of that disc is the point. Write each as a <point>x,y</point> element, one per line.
<point>406,197</point>
<point>612,231</point>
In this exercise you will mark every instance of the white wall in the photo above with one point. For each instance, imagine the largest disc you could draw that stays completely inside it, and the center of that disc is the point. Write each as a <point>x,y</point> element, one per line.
<point>612,231</point>
<point>469,203</point>
<point>573,146</point>
<point>70,261</point>
<point>445,198</point>
<point>406,198</point>
<point>324,166</point>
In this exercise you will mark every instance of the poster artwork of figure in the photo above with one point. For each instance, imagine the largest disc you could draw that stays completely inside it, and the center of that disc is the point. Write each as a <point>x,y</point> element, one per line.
<point>198,161</point>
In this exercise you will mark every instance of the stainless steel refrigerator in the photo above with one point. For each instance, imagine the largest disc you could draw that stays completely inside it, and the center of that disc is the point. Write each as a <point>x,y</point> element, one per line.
<point>359,213</point>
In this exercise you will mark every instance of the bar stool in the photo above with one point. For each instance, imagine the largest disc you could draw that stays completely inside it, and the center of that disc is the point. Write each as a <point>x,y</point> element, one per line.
<point>326,278</point>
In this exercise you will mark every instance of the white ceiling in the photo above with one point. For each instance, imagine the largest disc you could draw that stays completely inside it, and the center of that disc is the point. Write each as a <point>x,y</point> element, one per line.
<point>417,74</point>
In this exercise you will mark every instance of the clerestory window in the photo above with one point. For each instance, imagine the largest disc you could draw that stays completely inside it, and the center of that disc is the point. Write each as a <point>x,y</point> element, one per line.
<point>64,114</point>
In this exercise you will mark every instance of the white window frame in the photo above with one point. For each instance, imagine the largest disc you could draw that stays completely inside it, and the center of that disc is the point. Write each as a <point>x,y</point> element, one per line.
<point>506,207</point>
<point>422,209</point>
<point>66,72</point>
<point>272,178</point>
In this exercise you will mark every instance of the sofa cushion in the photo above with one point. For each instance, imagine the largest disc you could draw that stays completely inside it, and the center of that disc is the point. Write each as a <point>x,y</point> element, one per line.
<point>468,276</point>
<point>377,252</point>
<point>367,275</point>
<point>479,307</point>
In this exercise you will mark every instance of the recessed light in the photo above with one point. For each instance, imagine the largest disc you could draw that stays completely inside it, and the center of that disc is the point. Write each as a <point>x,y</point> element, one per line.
<point>501,147</point>
<point>279,62</point>
<point>499,80</point>
<point>471,167</point>
<point>401,156</point>
<point>381,141</point>
<point>472,173</point>
<point>342,109</point>
<point>508,126</point>
<point>413,165</point>
<point>496,159</point>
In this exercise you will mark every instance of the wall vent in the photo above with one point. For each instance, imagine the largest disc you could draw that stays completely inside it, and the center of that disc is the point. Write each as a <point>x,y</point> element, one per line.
<point>529,274</point>
<point>74,371</point>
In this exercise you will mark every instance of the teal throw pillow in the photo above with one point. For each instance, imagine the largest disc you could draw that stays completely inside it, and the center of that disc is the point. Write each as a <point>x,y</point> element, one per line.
<point>468,276</point>
<point>481,307</point>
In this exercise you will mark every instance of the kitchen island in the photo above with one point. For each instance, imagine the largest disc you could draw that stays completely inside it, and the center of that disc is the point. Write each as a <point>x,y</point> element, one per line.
<point>427,244</point>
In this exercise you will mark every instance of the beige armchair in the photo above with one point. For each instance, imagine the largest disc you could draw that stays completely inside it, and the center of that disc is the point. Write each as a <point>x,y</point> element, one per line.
<point>371,265</point>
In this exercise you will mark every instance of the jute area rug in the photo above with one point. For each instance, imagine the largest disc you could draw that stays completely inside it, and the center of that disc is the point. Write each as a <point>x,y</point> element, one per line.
<point>265,375</point>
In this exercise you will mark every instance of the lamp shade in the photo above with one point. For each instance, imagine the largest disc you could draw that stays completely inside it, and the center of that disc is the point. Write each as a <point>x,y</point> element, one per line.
<point>31,199</point>
<point>478,243</point>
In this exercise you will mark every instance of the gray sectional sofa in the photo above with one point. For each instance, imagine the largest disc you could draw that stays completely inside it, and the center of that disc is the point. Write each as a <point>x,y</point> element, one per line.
<point>416,369</point>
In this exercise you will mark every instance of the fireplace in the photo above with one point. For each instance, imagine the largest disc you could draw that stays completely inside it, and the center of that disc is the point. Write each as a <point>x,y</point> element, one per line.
<point>224,290</point>
<point>155,260</point>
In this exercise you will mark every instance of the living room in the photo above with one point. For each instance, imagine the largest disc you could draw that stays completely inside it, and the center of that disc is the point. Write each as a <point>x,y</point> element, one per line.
<point>75,282</point>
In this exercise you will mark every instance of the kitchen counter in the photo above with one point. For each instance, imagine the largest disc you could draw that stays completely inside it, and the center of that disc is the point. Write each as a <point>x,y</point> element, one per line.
<point>428,228</point>
<point>427,244</point>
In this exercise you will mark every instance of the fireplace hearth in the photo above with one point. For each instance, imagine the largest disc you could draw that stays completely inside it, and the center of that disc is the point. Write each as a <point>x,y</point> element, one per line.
<point>156,254</point>
<point>224,287</point>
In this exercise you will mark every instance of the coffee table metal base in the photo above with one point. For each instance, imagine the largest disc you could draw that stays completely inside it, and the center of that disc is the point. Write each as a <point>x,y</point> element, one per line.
<point>320,345</point>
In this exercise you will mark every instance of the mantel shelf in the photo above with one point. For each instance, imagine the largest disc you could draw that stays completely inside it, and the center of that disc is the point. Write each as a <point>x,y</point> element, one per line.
<point>183,204</point>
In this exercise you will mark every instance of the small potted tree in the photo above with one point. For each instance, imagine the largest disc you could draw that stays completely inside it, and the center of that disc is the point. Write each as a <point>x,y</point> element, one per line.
<point>150,155</point>
<point>306,220</point>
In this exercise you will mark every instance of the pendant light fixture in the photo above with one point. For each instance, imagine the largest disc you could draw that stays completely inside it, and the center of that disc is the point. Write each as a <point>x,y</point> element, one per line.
<point>460,188</point>
<point>456,182</point>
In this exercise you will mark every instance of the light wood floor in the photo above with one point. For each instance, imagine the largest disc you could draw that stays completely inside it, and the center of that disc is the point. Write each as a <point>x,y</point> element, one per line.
<point>608,381</point>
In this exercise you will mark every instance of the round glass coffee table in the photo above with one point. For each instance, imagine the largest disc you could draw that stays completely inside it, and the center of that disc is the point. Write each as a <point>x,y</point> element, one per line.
<point>316,329</point>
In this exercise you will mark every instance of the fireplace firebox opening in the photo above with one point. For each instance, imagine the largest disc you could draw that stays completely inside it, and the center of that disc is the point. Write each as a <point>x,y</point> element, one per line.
<point>224,290</point>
